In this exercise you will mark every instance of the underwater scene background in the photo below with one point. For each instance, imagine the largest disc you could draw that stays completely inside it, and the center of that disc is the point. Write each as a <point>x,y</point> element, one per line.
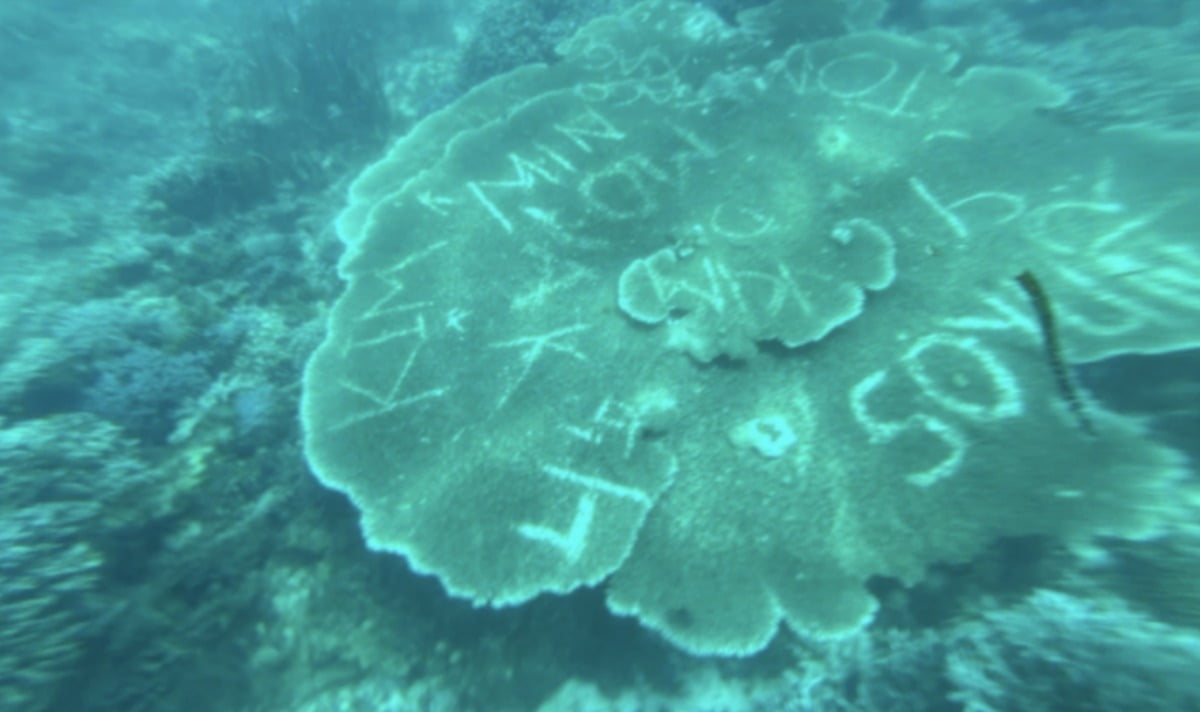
<point>599,355</point>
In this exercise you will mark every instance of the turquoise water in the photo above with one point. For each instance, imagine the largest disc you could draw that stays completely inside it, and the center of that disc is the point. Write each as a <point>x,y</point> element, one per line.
<point>599,355</point>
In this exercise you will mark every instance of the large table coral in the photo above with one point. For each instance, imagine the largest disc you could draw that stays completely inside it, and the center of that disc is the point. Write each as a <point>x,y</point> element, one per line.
<point>733,326</point>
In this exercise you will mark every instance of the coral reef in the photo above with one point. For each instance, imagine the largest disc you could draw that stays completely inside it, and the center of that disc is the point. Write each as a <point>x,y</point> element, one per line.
<point>829,230</point>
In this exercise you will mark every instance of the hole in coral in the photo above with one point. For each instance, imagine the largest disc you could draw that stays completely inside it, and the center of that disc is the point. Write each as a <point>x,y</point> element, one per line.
<point>680,617</point>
